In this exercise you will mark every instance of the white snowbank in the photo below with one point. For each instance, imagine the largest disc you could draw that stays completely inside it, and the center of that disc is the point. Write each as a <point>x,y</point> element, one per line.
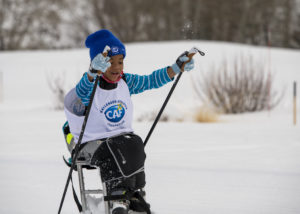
<point>246,164</point>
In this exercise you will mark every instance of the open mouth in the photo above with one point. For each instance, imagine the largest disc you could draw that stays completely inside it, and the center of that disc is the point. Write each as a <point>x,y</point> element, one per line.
<point>112,76</point>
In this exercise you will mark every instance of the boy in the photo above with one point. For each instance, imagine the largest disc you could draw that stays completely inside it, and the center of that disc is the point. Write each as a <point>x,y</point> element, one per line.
<point>109,141</point>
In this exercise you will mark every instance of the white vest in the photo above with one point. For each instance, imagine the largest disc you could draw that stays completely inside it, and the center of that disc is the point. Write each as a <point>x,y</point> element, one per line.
<point>111,113</point>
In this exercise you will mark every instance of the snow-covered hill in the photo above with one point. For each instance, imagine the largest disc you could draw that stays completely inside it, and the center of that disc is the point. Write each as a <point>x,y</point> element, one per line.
<point>246,164</point>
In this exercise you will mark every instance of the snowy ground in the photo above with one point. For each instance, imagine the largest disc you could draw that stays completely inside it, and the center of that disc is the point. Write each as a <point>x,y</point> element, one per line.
<point>246,164</point>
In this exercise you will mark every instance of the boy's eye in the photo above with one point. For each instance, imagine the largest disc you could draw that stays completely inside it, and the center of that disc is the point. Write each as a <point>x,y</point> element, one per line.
<point>116,63</point>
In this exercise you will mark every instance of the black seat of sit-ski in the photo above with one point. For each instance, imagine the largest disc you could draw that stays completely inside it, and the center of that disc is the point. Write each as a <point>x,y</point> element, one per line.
<point>88,167</point>
<point>71,146</point>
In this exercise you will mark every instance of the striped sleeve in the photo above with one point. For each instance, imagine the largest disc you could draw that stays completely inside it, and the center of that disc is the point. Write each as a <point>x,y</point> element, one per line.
<point>137,83</point>
<point>84,89</point>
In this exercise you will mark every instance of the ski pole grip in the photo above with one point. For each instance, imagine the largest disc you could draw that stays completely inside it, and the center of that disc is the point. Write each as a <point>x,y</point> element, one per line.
<point>190,56</point>
<point>105,51</point>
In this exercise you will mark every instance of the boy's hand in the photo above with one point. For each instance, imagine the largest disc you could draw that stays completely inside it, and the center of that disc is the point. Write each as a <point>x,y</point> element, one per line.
<point>177,66</point>
<point>99,65</point>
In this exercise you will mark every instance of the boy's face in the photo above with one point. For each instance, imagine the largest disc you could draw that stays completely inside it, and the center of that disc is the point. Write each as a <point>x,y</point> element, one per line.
<point>116,68</point>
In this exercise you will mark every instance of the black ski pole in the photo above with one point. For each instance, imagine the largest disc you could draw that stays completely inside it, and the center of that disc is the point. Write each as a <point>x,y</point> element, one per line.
<point>189,54</point>
<point>162,108</point>
<point>76,150</point>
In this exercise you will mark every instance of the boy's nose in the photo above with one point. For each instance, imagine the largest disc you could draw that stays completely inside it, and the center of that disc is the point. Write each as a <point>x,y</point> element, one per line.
<point>115,66</point>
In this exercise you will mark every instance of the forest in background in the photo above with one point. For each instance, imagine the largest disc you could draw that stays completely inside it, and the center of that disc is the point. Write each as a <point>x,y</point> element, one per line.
<point>56,24</point>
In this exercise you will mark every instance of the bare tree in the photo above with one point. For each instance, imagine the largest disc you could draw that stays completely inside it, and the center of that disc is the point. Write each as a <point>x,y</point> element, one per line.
<point>57,86</point>
<point>239,86</point>
<point>66,23</point>
<point>29,24</point>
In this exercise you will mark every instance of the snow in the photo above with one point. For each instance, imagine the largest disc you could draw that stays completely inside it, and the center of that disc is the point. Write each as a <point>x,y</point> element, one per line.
<point>247,163</point>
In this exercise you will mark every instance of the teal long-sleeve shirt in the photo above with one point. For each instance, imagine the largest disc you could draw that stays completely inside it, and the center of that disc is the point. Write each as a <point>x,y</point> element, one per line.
<point>136,83</point>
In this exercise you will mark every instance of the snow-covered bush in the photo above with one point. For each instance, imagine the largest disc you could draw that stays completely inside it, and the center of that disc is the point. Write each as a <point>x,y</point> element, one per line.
<point>242,85</point>
<point>57,87</point>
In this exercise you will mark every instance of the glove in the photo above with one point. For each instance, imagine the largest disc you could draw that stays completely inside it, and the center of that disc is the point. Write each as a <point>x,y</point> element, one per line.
<point>101,63</point>
<point>179,62</point>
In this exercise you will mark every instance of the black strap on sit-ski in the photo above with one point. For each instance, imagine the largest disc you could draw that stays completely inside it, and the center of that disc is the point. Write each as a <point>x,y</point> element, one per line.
<point>128,196</point>
<point>76,198</point>
<point>143,202</point>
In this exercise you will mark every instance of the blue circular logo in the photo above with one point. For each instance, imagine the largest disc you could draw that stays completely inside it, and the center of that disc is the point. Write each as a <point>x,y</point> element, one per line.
<point>115,113</point>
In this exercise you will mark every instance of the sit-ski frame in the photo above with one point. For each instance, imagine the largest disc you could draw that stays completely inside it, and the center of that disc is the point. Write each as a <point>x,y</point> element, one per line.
<point>84,192</point>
